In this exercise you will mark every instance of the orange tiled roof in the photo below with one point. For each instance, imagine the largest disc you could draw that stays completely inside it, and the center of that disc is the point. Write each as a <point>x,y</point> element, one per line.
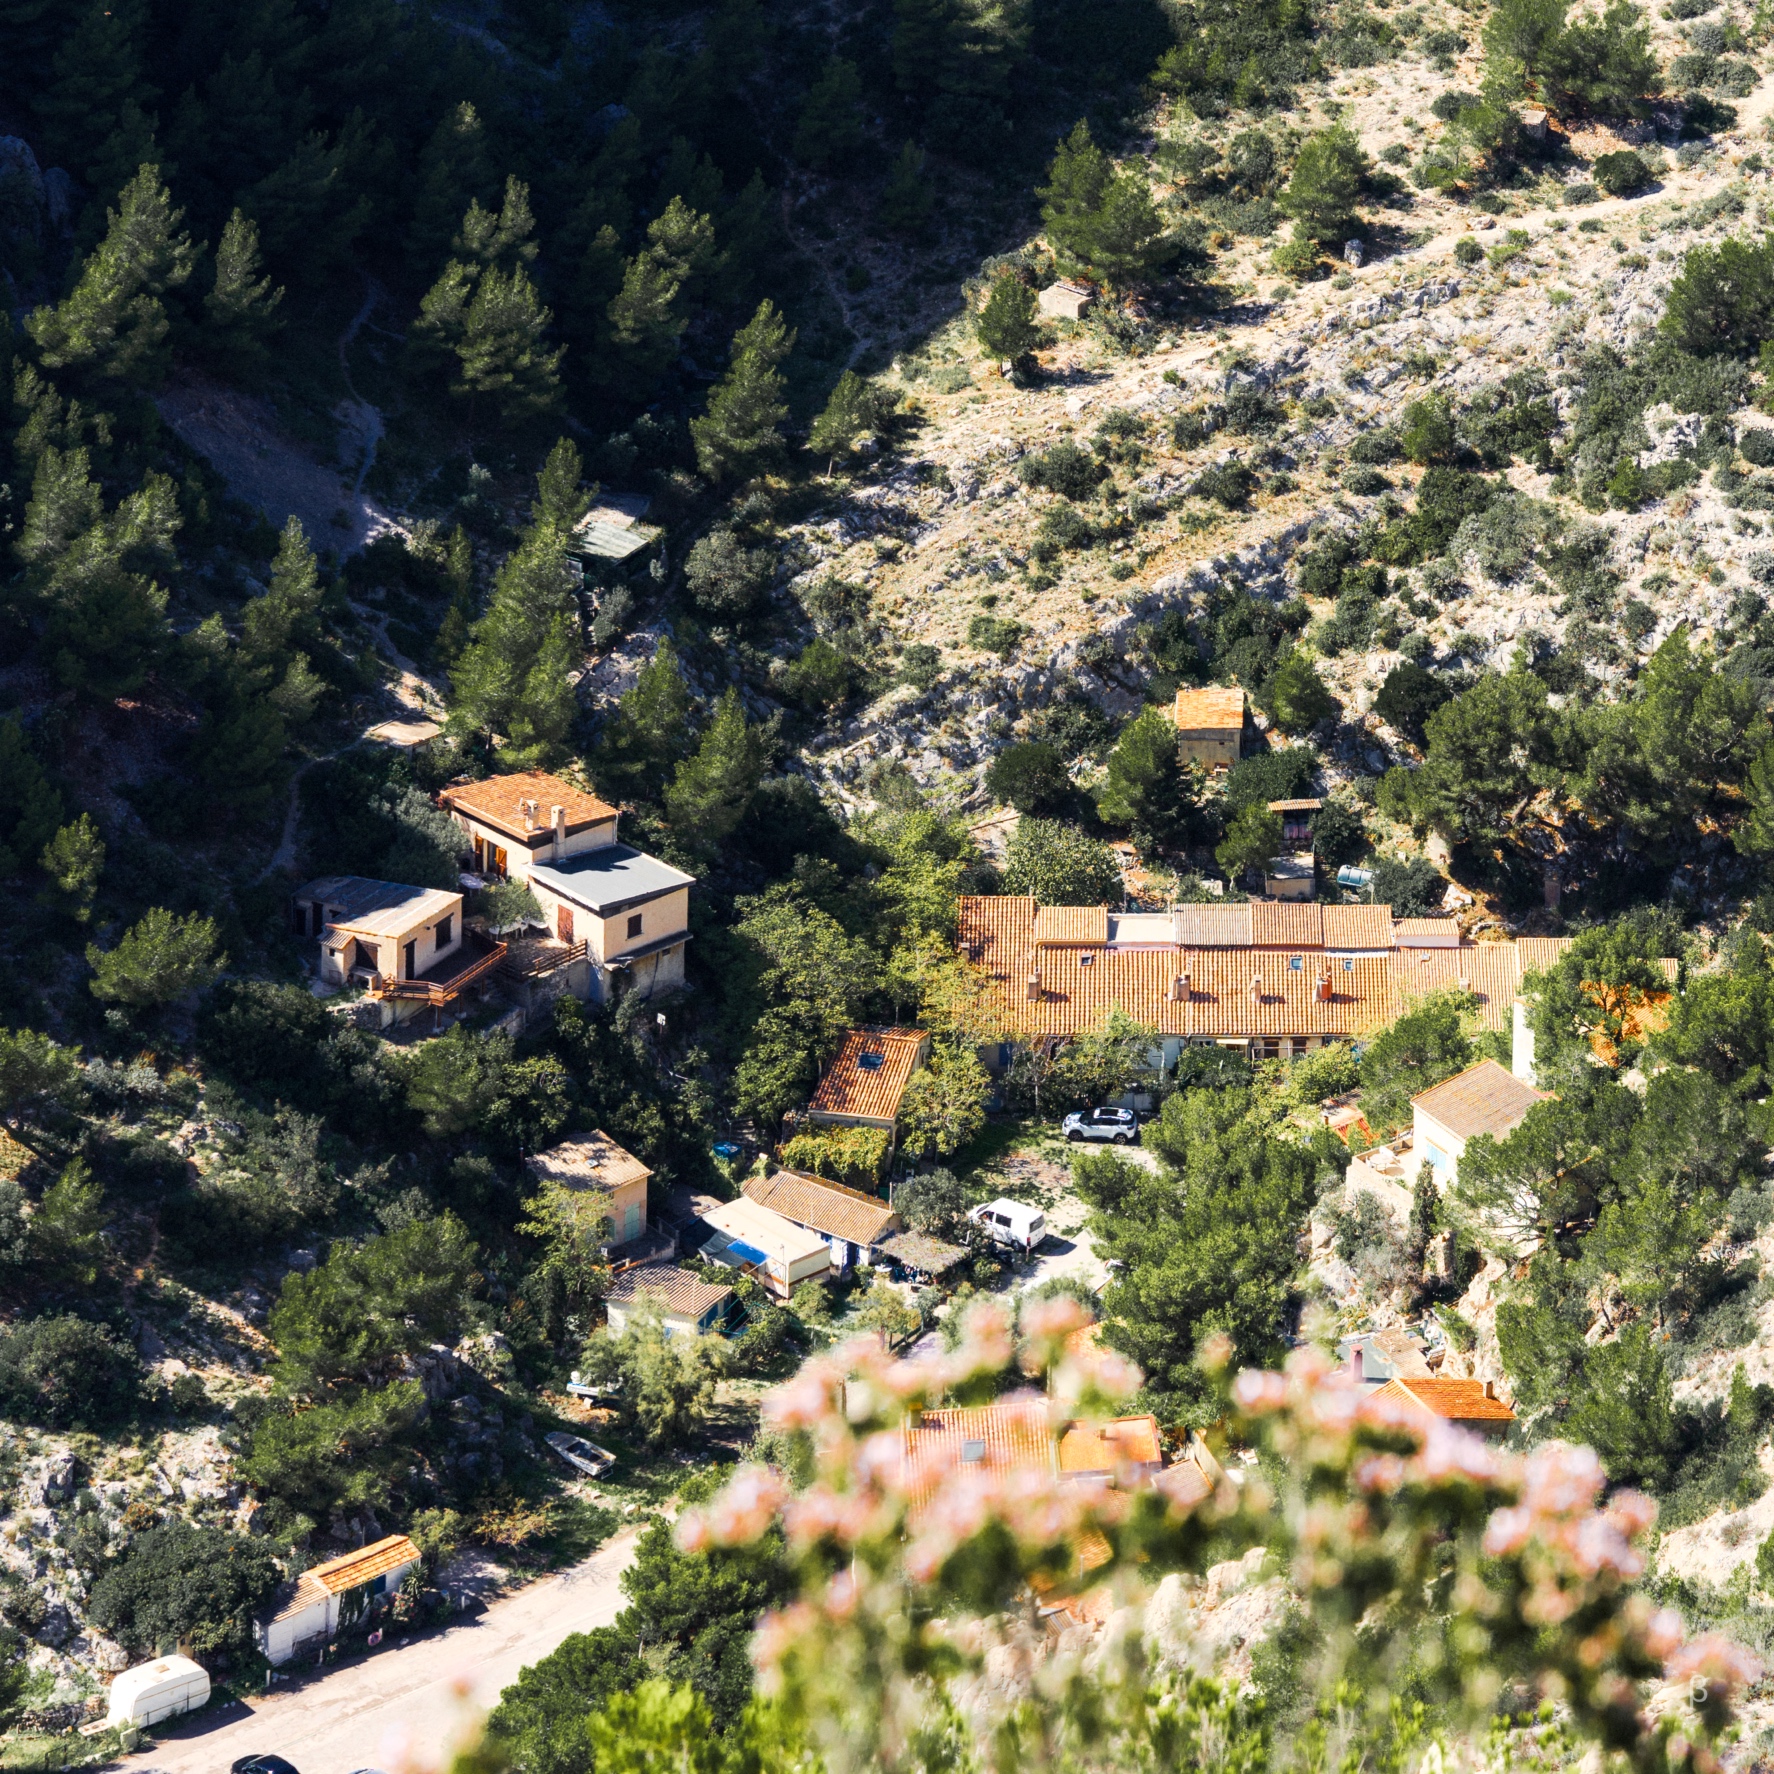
<point>1455,1401</point>
<point>1486,1098</point>
<point>499,801</point>
<point>1357,926</point>
<point>1491,971</point>
<point>999,933</point>
<point>1286,924</point>
<point>1540,952</point>
<point>870,1073</point>
<point>1107,1447</point>
<point>363,1566</point>
<point>1013,1433</point>
<point>830,1208</point>
<point>1071,926</point>
<point>1213,710</point>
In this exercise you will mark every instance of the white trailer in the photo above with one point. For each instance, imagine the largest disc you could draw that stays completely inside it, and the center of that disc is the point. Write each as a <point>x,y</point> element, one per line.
<point>159,1690</point>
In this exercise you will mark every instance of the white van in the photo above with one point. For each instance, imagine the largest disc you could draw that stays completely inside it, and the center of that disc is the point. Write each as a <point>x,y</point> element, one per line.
<point>1011,1223</point>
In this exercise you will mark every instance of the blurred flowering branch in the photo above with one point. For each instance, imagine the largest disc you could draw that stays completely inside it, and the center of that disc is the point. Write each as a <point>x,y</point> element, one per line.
<point>1415,1548</point>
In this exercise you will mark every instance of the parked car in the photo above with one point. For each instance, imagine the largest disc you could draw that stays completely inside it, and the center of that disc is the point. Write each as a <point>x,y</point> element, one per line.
<point>582,1455</point>
<point>1120,1127</point>
<point>262,1765</point>
<point>1011,1223</point>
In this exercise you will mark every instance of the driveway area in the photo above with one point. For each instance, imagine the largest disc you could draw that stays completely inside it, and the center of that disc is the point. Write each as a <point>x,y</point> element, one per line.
<point>405,1705</point>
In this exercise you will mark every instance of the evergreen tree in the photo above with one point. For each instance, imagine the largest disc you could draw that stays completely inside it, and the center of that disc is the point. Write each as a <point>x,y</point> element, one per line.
<point>488,238</point>
<point>241,306</point>
<point>106,620</point>
<point>830,129</point>
<point>158,960</point>
<point>1077,180</point>
<point>1144,789</point>
<point>849,413</point>
<point>511,678</point>
<point>74,859</point>
<point>459,580</point>
<point>1252,841</point>
<point>1125,239</point>
<point>504,349</point>
<point>284,616</point>
<point>455,169</point>
<point>648,314</point>
<point>113,324</point>
<point>1006,325</point>
<point>906,199</point>
<point>740,434</point>
<point>713,787</point>
<point>646,735</point>
<point>91,112</point>
<point>1295,694</point>
<point>1325,184</point>
<point>923,40</point>
<point>561,499</point>
<point>30,808</point>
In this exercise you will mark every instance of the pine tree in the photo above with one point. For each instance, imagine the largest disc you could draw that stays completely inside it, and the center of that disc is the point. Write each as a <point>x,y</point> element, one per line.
<point>241,306</point>
<point>1076,183</point>
<point>906,200</point>
<point>284,615</point>
<point>740,434</point>
<point>113,324</point>
<point>30,808</point>
<point>1125,239</point>
<point>1006,324</point>
<point>850,412</point>
<point>1144,789</point>
<point>511,678</point>
<point>106,621</point>
<point>561,499</point>
<point>490,239</point>
<point>459,579</point>
<point>711,789</point>
<point>90,112</point>
<point>647,316</point>
<point>74,859</point>
<point>1326,181</point>
<point>830,129</point>
<point>646,735</point>
<point>504,351</point>
<point>455,169</point>
<point>924,33</point>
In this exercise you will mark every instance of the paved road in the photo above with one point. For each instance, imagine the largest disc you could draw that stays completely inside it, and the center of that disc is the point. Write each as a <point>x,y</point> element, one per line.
<point>403,1706</point>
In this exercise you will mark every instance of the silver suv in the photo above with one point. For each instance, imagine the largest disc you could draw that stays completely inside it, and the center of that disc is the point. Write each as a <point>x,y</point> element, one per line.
<point>1120,1127</point>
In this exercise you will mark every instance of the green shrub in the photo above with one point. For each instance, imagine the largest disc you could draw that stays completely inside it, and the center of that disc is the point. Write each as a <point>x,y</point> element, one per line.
<point>1298,258</point>
<point>1030,775</point>
<point>1409,696</point>
<point>820,677</point>
<point>920,665</point>
<point>1467,251</point>
<point>1621,173</point>
<point>1228,483</point>
<point>1065,468</point>
<point>1723,299</point>
<point>67,1373</point>
<point>1375,447</point>
<point>1059,865</point>
<point>178,1584</point>
<point>994,634</point>
<point>1757,446</point>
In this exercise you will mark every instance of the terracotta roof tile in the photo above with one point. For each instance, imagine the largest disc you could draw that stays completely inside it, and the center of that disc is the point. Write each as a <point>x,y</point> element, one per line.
<point>870,1073</point>
<point>1214,926</point>
<point>363,1566</point>
<point>1486,1098</point>
<point>1491,971</point>
<point>1011,1434</point>
<point>589,1161</point>
<point>1455,1401</point>
<point>1072,926</point>
<point>499,801</point>
<point>1286,924</point>
<point>1540,952</point>
<point>1213,710</point>
<point>1409,932</point>
<point>1357,926</point>
<point>830,1208</point>
<point>1108,1447</point>
<point>1310,804</point>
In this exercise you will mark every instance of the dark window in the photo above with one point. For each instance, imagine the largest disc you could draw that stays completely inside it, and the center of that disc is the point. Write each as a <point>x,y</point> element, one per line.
<point>634,925</point>
<point>300,916</point>
<point>445,927</point>
<point>870,1062</point>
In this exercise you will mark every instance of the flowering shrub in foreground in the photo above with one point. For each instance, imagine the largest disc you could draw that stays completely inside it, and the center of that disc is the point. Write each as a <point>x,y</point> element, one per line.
<point>1493,1577</point>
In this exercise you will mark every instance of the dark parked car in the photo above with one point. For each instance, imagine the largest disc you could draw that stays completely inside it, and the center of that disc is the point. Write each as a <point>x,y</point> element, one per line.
<point>262,1765</point>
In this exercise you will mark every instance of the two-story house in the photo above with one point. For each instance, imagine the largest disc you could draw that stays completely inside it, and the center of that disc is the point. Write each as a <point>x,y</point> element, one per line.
<point>629,913</point>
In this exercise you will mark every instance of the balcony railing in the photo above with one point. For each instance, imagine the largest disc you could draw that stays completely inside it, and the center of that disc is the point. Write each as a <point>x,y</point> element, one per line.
<point>438,992</point>
<point>532,963</point>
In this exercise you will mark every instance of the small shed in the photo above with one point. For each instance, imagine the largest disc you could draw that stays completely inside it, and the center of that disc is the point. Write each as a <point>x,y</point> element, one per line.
<point>781,1254</point>
<point>1066,300</point>
<point>686,1305</point>
<point>334,1594</point>
<point>610,540</point>
<point>865,1082</point>
<point>1210,725</point>
<point>614,1182</point>
<point>1290,877</point>
<point>163,1689</point>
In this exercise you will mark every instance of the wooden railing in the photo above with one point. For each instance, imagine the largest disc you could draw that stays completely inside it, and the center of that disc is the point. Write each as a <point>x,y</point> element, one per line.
<point>544,962</point>
<point>439,992</point>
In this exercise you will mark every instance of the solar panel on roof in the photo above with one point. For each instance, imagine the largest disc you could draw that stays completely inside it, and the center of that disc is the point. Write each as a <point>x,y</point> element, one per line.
<point>870,1062</point>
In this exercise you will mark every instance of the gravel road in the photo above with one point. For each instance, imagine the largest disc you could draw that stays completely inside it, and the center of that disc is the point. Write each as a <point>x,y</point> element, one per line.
<point>403,1706</point>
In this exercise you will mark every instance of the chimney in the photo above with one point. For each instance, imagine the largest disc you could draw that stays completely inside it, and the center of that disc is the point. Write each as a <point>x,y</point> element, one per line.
<point>1490,1388</point>
<point>1357,1365</point>
<point>1324,985</point>
<point>528,809</point>
<point>558,818</point>
<point>1179,989</point>
<point>1256,988</point>
<point>1035,984</point>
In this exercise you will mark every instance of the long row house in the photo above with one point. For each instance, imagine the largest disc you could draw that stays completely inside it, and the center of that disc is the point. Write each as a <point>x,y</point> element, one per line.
<point>1272,978</point>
